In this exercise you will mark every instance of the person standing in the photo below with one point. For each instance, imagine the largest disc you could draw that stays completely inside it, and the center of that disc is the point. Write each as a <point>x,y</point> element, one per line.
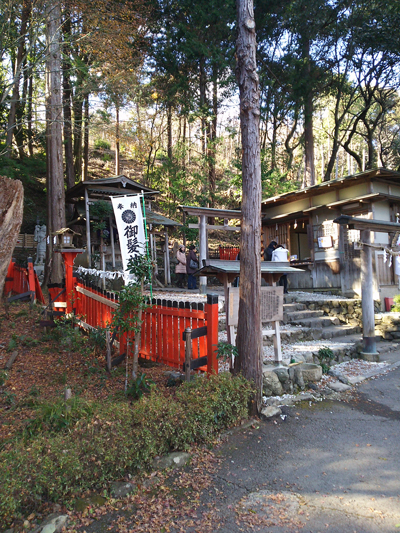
<point>192,264</point>
<point>281,254</point>
<point>180,269</point>
<point>268,251</point>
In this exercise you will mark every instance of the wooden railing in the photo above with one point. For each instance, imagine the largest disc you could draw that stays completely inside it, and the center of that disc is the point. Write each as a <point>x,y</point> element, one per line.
<point>22,283</point>
<point>164,323</point>
<point>228,253</point>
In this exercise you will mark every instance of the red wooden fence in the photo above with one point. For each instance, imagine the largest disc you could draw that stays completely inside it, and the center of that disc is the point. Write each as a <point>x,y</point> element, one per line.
<point>164,321</point>
<point>163,325</point>
<point>228,252</point>
<point>23,281</point>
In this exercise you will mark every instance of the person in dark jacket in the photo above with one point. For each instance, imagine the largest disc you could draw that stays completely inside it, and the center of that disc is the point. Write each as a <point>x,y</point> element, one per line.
<point>190,269</point>
<point>268,252</point>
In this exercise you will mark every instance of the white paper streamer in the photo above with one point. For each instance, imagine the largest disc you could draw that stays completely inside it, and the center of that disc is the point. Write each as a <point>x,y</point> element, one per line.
<point>103,274</point>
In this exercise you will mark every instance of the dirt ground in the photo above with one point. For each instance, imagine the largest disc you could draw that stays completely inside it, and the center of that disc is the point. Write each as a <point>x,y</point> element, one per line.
<point>49,362</point>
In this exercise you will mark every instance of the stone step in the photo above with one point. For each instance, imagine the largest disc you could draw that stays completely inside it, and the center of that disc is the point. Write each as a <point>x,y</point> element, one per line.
<point>318,322</point>
<point>335,332</point>
<point>343,347</point>
<point>301,334</point>
<point>294,316</point>
<point>295,306</point>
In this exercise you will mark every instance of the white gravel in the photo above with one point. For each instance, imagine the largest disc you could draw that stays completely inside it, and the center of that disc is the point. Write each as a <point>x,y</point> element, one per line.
<point>317,296</point>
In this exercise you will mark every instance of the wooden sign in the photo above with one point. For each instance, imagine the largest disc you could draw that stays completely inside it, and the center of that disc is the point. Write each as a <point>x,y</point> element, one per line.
<point>271,305</point>
<point>232,311</point>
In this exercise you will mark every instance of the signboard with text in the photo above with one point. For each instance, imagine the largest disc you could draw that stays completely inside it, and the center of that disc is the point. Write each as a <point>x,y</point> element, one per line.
<point>130,226</point>
<point>271,305</point>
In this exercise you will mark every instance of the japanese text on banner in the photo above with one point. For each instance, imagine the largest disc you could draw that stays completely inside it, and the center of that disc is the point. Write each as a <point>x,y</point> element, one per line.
<point>130,226</point>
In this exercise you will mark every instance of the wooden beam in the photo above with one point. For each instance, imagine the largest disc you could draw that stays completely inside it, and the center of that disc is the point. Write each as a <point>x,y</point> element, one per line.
<point>88,243</point>
<point>215,227</point>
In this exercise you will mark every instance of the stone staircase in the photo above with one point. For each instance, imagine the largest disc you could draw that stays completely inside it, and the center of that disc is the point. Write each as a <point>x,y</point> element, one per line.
<point>301,324</point>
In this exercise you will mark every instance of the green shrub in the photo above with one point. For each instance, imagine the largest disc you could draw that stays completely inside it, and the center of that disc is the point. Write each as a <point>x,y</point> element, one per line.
<point>101,144</point>
<point>93,450</point>
<point>54,417</point>
<point>325,355</point>
<point>396,304</point>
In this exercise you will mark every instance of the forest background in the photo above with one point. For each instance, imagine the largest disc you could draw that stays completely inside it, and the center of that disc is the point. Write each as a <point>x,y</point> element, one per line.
<point>148,89</point>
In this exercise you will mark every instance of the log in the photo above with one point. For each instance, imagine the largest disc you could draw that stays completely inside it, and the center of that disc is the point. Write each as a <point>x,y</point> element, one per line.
<point>11,360</point>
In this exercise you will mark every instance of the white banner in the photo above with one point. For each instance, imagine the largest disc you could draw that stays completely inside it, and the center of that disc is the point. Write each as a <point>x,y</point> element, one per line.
<point>130,226</point>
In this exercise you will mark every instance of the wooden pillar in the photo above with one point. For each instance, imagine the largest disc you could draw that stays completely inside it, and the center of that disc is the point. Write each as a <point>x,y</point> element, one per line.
<point>167,268</point>
<point>202,251</point>
<point>212,333</point>
<point>367,298</point>
<point>88,243</point>
<point>112,241</point>
<point>69,258</point>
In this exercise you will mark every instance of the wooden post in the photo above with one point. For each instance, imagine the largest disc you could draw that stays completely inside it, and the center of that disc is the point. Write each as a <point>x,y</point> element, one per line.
<point>112,241</point>
<point>277,343</point>
<point>108,347</point>
<point>69,258</point>
<point>202,251</point>
<point>188,352</point>
<point>367,299</point>
<point>166,261</point>
<point>212,333</point>
<point>31,280</point>
<point>88,243</point>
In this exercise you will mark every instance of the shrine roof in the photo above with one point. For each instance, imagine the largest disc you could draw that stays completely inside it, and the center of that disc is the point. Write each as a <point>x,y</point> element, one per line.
<point>212,266</point>
<point>118,185</point>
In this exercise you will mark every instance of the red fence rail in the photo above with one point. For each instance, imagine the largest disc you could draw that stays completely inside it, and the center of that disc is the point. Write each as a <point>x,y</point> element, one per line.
<point>228,253</point>
<point>23,281</point>
<point>164,323</point>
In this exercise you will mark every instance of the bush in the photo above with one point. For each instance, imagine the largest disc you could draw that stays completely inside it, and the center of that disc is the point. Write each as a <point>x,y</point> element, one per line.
<point>396,304</point>
<point>95,449</point>
<point>101,144</point>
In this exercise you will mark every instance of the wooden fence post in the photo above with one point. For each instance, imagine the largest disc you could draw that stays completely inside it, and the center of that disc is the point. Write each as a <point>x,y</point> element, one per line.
<point>212,333</point>
<point>188,352</point>
<point>31,280</point>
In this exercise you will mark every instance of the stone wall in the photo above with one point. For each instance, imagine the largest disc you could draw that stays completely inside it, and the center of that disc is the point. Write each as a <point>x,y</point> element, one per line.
<point>387,325</point>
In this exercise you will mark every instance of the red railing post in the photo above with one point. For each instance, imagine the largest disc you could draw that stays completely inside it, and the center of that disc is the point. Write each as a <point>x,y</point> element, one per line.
<point>31,279</point>
<point>69,258</point>
<point>9,284</point>
<point>212,333</point>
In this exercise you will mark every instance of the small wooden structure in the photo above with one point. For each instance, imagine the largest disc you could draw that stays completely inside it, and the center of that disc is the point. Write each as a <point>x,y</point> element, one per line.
<point>65,238</point>
<point>87,192</point>
<point>228,271</point>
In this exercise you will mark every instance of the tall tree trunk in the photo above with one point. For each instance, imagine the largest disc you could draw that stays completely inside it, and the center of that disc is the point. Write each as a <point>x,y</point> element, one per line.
<point>55,174</point>
<point>249,325</point>
<point>77,145</point>
<point>85,172</point>
<point>308,124</point>
<point>169,132</point>
<point>117,140</point>
<point>203,104</point>
<point>11,126</point>
<point>29,112</point>
<point>19,132</point>
<point>67,103</point>
<point>212,145</point>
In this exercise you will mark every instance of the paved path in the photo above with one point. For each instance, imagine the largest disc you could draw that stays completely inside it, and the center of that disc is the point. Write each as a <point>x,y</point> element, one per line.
<point>335,463</point>
<point>330,466</point>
